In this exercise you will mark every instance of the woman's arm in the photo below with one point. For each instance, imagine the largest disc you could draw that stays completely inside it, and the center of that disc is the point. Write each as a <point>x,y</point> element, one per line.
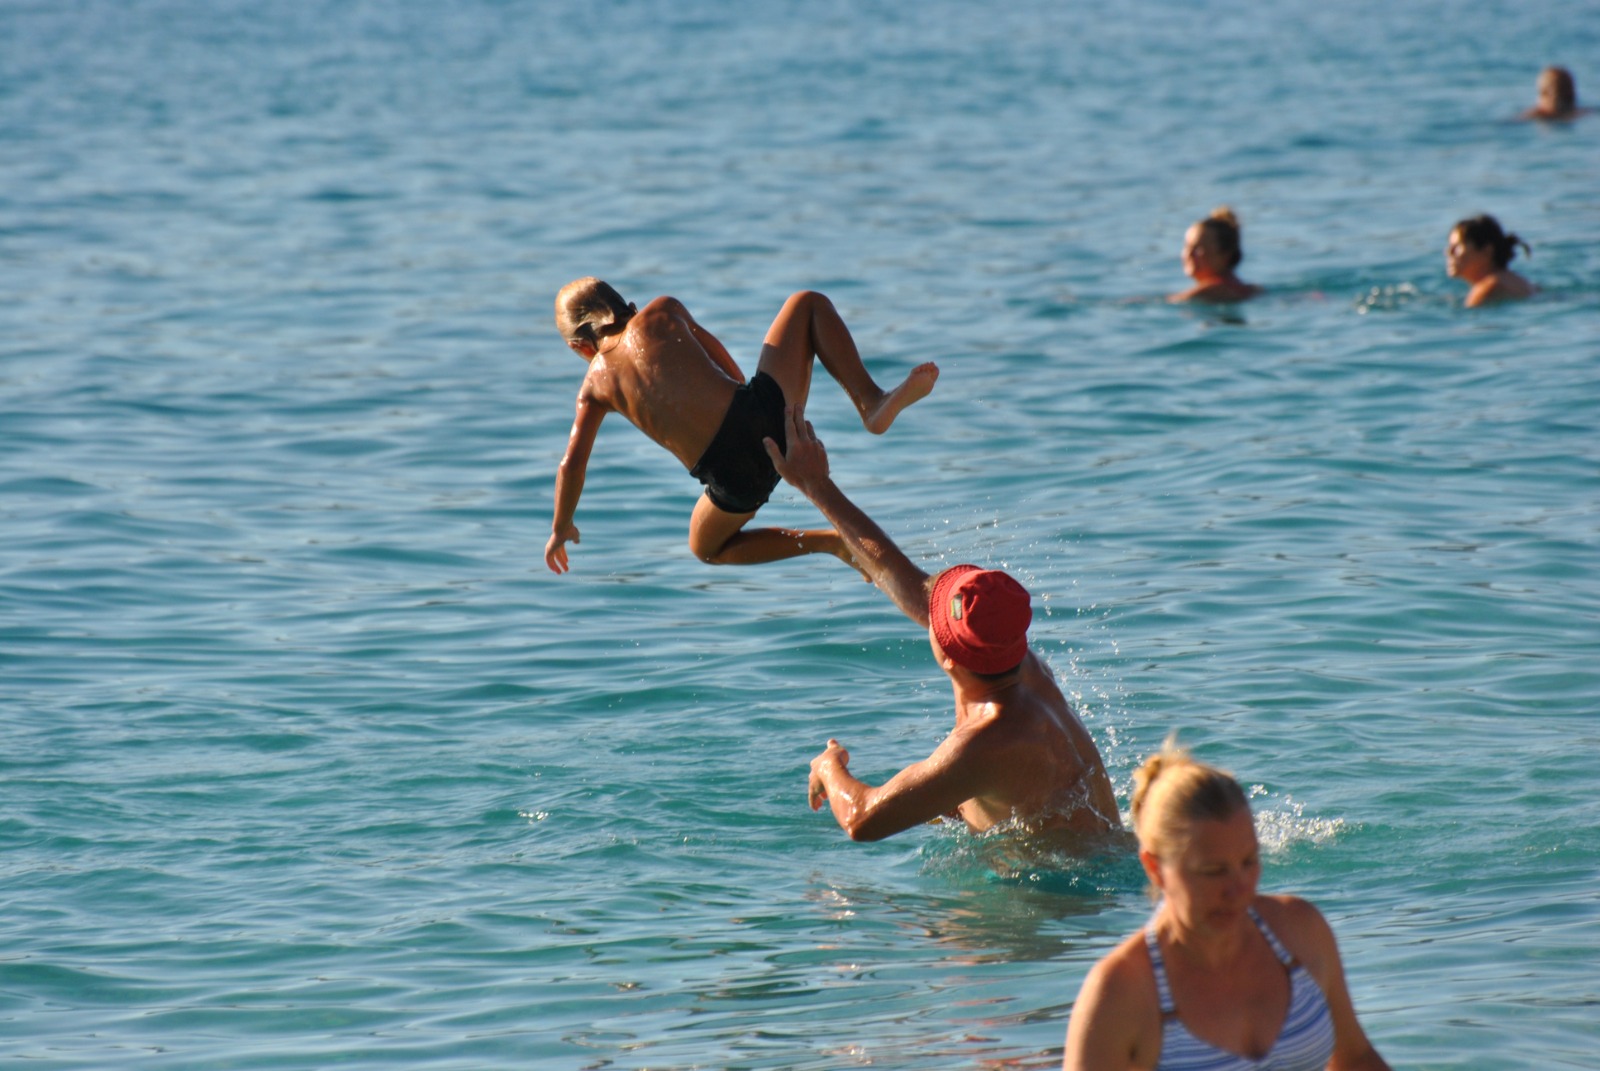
<point>1310,938</point>
<point>1116,1020</point>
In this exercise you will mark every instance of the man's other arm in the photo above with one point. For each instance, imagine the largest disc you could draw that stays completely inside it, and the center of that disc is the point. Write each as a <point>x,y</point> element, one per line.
<point>921,792</point>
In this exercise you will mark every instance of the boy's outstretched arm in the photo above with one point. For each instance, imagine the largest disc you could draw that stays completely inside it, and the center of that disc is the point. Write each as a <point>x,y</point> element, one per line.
<point>569,481</point>
<point>805,465</point>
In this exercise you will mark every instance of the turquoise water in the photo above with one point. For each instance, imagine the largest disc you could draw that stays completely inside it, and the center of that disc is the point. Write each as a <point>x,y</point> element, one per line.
<point>307,761</point>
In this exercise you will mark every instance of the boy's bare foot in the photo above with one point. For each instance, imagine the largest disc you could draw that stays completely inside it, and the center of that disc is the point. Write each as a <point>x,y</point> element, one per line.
<point>915,388</point>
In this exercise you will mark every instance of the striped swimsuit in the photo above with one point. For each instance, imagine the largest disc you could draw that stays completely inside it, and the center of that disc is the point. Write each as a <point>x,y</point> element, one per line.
<point>1304,1044</point>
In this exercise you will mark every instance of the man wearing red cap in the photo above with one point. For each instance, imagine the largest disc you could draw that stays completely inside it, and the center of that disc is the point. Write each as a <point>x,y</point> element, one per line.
<point>1017,752</point>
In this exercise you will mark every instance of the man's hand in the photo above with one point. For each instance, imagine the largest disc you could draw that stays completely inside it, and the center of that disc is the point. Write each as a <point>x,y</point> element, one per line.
<point>555,550</point>
<point>804,461</point>
<point>834,755</point>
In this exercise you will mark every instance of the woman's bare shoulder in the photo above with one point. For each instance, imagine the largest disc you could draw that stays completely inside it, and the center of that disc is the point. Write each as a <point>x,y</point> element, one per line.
<point>1126,970</point>
<point>1301,928</point>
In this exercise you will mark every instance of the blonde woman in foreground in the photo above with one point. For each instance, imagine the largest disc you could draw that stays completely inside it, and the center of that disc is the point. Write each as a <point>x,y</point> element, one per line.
<point>1212,250</point>
<point>1221,978</point>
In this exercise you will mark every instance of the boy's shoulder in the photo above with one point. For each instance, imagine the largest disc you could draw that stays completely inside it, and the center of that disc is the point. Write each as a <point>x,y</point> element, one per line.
<point>599,383</point>
<point>664,306</point>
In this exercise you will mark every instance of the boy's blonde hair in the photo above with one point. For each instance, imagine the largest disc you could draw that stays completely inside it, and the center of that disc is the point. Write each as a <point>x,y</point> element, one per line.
<point>586,307</point>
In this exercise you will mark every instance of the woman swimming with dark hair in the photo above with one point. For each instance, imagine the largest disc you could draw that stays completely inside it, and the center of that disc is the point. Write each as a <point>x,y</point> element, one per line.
<point>1480,253</point>
<point>1211,251</point>
<point>1558,96</point>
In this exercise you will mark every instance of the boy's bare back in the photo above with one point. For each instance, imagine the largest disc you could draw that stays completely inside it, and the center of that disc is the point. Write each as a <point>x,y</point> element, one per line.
<point>659,374</point>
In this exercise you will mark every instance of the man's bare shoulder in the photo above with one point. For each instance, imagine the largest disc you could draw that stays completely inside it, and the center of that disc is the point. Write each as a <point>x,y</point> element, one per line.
<point>1003,745</point>
<point>1027,714</point>
<point>1036,671</point>
<point>1041,688</point>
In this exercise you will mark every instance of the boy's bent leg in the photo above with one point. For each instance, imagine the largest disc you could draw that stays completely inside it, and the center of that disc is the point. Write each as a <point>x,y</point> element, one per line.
<point>718,538</point>
<point>808,326</point>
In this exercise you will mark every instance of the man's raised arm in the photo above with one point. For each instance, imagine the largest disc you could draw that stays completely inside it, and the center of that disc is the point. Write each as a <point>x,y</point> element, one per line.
<point>805,465</point>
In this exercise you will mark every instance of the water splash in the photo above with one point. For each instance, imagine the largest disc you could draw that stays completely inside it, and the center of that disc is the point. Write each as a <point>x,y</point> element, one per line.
<point>1285,824</point>
<point>1387,298</point>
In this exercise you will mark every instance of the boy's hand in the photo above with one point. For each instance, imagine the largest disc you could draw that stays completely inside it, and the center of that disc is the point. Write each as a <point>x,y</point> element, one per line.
<point>816,790</point>
<point>804,461</point>
<point>555,550</point>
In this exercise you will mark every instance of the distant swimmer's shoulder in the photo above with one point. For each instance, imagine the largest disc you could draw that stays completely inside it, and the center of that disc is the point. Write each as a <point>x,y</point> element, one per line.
<point>1217,293</point>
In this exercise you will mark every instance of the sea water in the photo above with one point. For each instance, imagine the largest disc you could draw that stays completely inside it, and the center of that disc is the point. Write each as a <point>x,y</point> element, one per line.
<point>307,761</point>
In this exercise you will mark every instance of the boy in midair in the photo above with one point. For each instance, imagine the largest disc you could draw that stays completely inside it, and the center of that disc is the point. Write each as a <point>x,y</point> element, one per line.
<point>674,381</point>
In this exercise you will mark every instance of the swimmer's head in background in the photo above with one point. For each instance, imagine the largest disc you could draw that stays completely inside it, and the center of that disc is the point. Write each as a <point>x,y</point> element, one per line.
<point>1221,230</point>
<point>1558,93</point>
<point>588,308</point>
<point>1485,232</point>
<point>980,618</point>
